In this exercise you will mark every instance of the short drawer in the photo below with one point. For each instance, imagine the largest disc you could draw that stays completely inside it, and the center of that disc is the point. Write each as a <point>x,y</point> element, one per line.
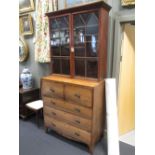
<point>79,95</point>
<point>52,89</point>
<point>68,118</point>
<point>68,107</point>
<point>68,130</point>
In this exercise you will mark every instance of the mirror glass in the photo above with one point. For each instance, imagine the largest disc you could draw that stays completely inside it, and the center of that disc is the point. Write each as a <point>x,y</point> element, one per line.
<point>23,49</point>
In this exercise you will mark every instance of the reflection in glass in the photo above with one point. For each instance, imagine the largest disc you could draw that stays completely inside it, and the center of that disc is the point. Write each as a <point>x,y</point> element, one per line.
<point>56,65</point>
<point>78,21</point>
<point>79,67</point>
<point>65,66</point>
<point>54,24</point>
<point>60,36</point>
<point>59,23</point>
<point>65,50</point>
<point>92,68</point>
<point>80,49</point>
<point>63,22</point>
<point>86,34</point>
<point>81,36</point>
<point>91,46</point>
<point>56,51</point>
<point>93,43</point>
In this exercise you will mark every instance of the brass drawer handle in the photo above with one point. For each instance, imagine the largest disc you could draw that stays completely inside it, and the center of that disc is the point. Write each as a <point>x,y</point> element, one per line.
<point>77,110</point>
<point>77,121</point>
<point>77,95</point>
<point>53,124</point>
<point>77,134</point>
<point>53,113</point>
<point>52,90</point>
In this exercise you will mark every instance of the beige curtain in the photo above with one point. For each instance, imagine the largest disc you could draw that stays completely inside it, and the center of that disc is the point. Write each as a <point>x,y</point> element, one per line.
<point>42,39</point>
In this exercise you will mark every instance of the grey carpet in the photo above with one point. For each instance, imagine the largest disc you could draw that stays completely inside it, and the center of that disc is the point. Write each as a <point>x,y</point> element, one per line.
<point>34,141</point>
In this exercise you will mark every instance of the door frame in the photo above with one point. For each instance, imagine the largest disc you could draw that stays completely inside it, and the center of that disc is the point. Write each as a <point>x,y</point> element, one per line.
<point>120,19</point>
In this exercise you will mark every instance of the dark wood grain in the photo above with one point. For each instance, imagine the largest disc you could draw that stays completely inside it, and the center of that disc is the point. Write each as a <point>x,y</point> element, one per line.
<point>26,96</point>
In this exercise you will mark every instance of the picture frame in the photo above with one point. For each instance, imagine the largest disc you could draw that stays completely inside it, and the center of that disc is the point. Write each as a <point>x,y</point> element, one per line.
<point>127,2</point>
<point>23,49</point>
<point>72,3</point>
<point>26,25</point>
<point>26,6</point>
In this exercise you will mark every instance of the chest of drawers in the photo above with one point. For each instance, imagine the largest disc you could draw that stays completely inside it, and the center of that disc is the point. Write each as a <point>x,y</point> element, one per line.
<point>74,108</point>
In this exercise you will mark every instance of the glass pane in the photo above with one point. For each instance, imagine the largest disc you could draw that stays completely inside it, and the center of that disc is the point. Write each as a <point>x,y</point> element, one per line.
<point>80,49</point>
<point>85,16</point>
<point>92,35</point>
<point>80,67</point>
<point>86,34</point>
<point>92,68</point>
<point>60,36</point>
<point>55,43</point>
<point>92,19</point>
<point>79,43</point>
<point>65,50</point>
<point>79,32</point>
<point>65,66</point>
<point>79,21</point>
<point>56,65</point>
<point>60,23</point>
<point>54,24</point>
<point>63,22</point>
<point>91,30</point>
<point>91,46</point>
<point>55,50</point>
<point>64,36</point>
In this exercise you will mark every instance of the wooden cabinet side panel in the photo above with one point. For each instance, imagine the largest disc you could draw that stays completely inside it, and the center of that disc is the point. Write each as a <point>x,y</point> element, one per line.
<point>98,113</point>
<point>103,37</point>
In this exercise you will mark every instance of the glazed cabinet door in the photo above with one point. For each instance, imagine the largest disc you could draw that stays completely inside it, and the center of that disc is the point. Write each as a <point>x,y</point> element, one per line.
<point>85,30</point>
<point>80,32</point>
<point>60,43</point>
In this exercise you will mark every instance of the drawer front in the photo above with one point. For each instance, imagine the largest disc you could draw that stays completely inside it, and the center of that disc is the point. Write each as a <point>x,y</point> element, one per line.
<point>68,130</point>
<point>68,107</point>
<point>79,95</point>
<point>68,118</point>
<point>52,89</point>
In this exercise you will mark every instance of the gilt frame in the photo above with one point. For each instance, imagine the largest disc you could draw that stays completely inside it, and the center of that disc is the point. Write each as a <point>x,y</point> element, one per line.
<point>127,2</point>
<point>26,25</point>
<point>26,6</point>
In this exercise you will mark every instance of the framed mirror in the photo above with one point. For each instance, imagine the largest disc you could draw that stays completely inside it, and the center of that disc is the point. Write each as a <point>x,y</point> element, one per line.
<point>23,49</point>
<point>26,6</point>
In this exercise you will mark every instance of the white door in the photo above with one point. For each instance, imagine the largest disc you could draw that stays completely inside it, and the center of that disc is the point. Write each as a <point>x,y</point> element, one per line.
<point>126,88</point>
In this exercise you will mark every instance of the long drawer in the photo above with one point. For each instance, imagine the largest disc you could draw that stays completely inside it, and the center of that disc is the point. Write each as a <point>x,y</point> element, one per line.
<point>68,130</point>
<point>68,107</point>
<point>71,119</point>
<point>53,89</point>
<point>79,95</point>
